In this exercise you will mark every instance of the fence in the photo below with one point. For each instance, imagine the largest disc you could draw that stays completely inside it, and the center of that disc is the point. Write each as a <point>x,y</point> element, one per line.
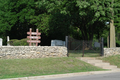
<point>84,48</point>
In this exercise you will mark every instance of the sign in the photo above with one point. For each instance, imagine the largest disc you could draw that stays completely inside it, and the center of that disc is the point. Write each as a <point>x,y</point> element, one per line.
<point>33,37</point>
<point>33,41</point>
<point>33,33</point>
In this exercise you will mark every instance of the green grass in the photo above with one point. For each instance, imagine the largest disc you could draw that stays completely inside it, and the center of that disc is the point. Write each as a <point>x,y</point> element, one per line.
<point>113,60</point>
<point>87,53</point>
<point>13,68</point>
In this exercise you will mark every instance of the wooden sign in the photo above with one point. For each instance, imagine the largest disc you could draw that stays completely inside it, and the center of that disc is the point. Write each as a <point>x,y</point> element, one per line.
<point>33,37</point>
<point>33,41</point>
<point>33,33</point>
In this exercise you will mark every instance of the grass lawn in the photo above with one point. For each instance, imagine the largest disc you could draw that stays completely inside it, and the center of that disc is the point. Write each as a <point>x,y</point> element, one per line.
<point>113,60</point>
<point>87,53</point>
<point>13,68</point>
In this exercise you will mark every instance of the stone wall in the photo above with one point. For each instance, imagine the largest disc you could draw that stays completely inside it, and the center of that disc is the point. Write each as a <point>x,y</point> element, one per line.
<point>111,51</point>
<point>21,52</point>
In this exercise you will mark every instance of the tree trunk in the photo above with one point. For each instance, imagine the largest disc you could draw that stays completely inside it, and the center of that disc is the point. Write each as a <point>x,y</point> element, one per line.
<point>112,30</point>
<point>112,35</point>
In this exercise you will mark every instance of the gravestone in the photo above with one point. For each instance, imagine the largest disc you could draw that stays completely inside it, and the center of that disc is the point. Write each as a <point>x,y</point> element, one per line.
<point>57,43</point>
<point>96,44</point>
<point>8,39</point>
<point>0,41</point>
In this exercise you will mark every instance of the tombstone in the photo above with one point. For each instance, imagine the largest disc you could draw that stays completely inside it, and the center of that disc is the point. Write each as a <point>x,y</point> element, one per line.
<point>96,44</point>
<point>57,43</point>
<point>8,39</point>
<point>0,41</point>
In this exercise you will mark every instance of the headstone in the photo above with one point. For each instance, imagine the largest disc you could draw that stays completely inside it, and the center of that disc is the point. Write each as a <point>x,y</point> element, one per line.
<point>8,39</point>
<point>96,44</point>
<point>0,41</point>
<point>57,43</point>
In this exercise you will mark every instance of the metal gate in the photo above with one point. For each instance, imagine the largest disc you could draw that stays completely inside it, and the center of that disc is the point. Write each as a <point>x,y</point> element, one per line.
<point>81,48</point>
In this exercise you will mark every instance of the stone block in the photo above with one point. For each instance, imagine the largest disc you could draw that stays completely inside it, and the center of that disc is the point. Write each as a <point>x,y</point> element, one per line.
<point>111,51</point>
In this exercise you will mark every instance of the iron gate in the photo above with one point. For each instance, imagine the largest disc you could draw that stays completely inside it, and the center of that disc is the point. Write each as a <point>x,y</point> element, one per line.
<point>81,48</point>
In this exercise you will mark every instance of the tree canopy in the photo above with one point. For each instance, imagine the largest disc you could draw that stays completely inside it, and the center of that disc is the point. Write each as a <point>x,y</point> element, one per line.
<point>82,19</point>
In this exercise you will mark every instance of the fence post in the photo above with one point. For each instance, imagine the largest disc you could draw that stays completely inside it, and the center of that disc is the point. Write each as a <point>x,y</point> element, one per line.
<point>37,38</point>
<point>30,36</point>
<point>66,44</point>
<point>102,46</point>
<point>83,49</point>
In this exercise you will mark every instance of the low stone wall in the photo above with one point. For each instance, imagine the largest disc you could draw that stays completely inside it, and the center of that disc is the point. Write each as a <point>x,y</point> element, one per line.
<point>111,51</point>
<point>21,52</point>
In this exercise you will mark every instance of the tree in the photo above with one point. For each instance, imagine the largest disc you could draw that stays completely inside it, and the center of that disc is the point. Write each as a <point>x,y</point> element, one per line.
<point>15,16</point>
<point>117,20</point>
<point>49,19</point>
<point>92,17</point>
<point>55,17</point>
<point>89,16</point>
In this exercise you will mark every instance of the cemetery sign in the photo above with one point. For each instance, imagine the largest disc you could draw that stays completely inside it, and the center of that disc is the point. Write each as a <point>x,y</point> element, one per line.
<point>33,37</point>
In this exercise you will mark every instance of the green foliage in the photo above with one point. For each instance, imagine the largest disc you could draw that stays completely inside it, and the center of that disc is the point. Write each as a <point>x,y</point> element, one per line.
<point>117,13</point>
<point>42,22</point>
<point>55,17</point>
<point>117,43</point>
<point>14,18</point>
<point>93,15</point>
<point>88,16</point>
<point>59,25</point>
<point>13,11</point>
<point>15,42</point>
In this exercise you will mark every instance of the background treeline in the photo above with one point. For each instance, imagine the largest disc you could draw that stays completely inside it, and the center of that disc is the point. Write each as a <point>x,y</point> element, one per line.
<point>81,19</point>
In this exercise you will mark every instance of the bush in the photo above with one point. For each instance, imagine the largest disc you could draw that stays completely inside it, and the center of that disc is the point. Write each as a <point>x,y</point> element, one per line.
<point>15,42</point>
<point>117,43</point>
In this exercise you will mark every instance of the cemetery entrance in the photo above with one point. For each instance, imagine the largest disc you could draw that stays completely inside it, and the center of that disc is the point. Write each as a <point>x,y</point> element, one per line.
<point>82,48</point>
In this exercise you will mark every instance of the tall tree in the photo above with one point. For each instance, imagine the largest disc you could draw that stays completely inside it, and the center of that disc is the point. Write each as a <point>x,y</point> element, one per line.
<point>15,16</point>
<point>55,17</point>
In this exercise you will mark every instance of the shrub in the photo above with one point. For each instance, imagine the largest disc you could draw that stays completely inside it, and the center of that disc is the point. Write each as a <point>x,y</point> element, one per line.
<point>15,42</point>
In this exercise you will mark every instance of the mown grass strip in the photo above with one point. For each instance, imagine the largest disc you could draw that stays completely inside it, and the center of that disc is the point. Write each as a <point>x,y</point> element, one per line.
<point>113,60</point>
<point>13,68</point>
